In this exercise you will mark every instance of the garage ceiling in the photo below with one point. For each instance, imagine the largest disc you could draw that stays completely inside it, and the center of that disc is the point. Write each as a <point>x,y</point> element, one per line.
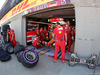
<point>64,13</point>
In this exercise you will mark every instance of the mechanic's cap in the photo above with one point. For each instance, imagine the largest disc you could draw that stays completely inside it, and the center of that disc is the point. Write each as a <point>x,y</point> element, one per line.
<point>57,23</point>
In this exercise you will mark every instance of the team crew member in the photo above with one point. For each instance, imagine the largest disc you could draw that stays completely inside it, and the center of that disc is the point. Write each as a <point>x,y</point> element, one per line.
<point>68,30</point>
<point>41,34</point>
<point>36,43</point>
<point>12,36</point>
<point>37,30</point>
<point>45,33</point>
<point>59,35</point>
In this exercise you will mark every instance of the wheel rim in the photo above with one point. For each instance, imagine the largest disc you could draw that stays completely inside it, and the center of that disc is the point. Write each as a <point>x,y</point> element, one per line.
<point>30,56</point>
<point>10,49</point>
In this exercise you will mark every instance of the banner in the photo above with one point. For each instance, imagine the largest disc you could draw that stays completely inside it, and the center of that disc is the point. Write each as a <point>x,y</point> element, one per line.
<point>22,6</point>
<point>47,5</point>
<point>29,6</point>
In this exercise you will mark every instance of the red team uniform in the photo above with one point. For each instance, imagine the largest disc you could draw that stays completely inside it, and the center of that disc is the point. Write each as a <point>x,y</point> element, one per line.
<point>45,33</point>
<point>68,30</point>
<point>36,42</point>
<point>59,42</point>
<point>37,31</point>
<point>12,33</point>
<point>41,34</point>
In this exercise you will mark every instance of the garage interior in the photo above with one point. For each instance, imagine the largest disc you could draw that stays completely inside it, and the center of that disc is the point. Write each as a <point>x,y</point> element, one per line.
<point>41,19</point>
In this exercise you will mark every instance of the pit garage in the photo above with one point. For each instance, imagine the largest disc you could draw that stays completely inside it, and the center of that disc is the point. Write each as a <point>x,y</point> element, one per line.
<point>41,18</point>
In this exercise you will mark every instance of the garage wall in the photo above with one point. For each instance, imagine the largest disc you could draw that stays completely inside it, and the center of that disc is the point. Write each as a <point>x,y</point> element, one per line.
<point>87,27</point>
<point>18,26</point>
<point>18,23</point>
<point>24,41</point>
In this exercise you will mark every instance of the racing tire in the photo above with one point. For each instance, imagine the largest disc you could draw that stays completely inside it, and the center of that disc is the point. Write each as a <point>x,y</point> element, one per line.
<point>3,53</point>
<point>9,48</point>
<point>29,58</point>
<point>4,33</point>
<point>6,58</point>
<point>19,56</point>
<point>5,27</point>
<point>19,48</point>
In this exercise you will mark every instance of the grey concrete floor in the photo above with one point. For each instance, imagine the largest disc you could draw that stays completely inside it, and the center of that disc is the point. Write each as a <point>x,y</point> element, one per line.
<point>45,66</point>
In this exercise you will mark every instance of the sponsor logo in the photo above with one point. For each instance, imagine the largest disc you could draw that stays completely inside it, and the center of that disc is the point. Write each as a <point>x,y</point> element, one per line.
<point>59,32</point>
<point>63,2</point>
<point>20,7</point>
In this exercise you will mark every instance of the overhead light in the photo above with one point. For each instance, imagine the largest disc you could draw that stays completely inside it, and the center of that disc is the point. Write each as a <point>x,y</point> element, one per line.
<point>73,19</point>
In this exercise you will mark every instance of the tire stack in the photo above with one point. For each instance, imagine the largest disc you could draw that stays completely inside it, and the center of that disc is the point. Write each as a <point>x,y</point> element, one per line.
<point>28,58</point>
<point>4,56</point>
<point>4,31</point>
<point>9,47</point>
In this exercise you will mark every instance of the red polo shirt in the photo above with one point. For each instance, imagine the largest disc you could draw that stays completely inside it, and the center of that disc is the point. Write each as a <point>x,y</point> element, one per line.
<point>59,33</point>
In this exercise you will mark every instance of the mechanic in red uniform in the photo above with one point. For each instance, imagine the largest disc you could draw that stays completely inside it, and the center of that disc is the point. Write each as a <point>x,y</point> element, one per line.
<point>68,30</point>
<point>59,35</point>
<point>37,30</point>
<point>45,33</point>
<point>41,34</point>
<point>12,36</point>
<point>36,43</point>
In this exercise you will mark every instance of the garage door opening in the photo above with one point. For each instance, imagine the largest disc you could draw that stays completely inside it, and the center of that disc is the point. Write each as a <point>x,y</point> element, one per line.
<point>41,20</point>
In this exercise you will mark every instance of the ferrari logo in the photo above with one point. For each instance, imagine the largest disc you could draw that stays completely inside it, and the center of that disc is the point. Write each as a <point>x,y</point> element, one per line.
<point>59,32</point>
<point>65,27</point>
<point>57,27</point>
<point>33,40</point>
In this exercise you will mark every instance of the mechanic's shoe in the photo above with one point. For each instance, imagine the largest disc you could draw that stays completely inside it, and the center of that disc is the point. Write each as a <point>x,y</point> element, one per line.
<point>63,61</point>
<point>54,60</point>
<point>68,52</point>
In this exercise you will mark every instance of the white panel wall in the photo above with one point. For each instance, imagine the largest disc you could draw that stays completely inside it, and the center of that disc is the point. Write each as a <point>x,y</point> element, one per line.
<point>24,31</point>
<point>87,26</point>
<point>18,23</point>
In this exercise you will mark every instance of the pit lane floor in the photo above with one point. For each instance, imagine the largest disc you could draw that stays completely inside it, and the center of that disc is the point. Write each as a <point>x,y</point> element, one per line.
<point>45,66</point>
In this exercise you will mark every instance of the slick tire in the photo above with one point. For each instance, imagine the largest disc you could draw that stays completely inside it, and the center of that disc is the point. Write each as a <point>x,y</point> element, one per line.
<point>3,53</point>
<point>4,33</point>
<point>19,56</point>
<point>6,58</point>
<point>29,58</point>
<point>5,27</point>
<point>18,48</point>
<point>9,48</point>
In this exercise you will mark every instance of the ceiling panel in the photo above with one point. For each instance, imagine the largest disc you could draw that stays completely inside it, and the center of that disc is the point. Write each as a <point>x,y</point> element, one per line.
<point>55,13</point>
